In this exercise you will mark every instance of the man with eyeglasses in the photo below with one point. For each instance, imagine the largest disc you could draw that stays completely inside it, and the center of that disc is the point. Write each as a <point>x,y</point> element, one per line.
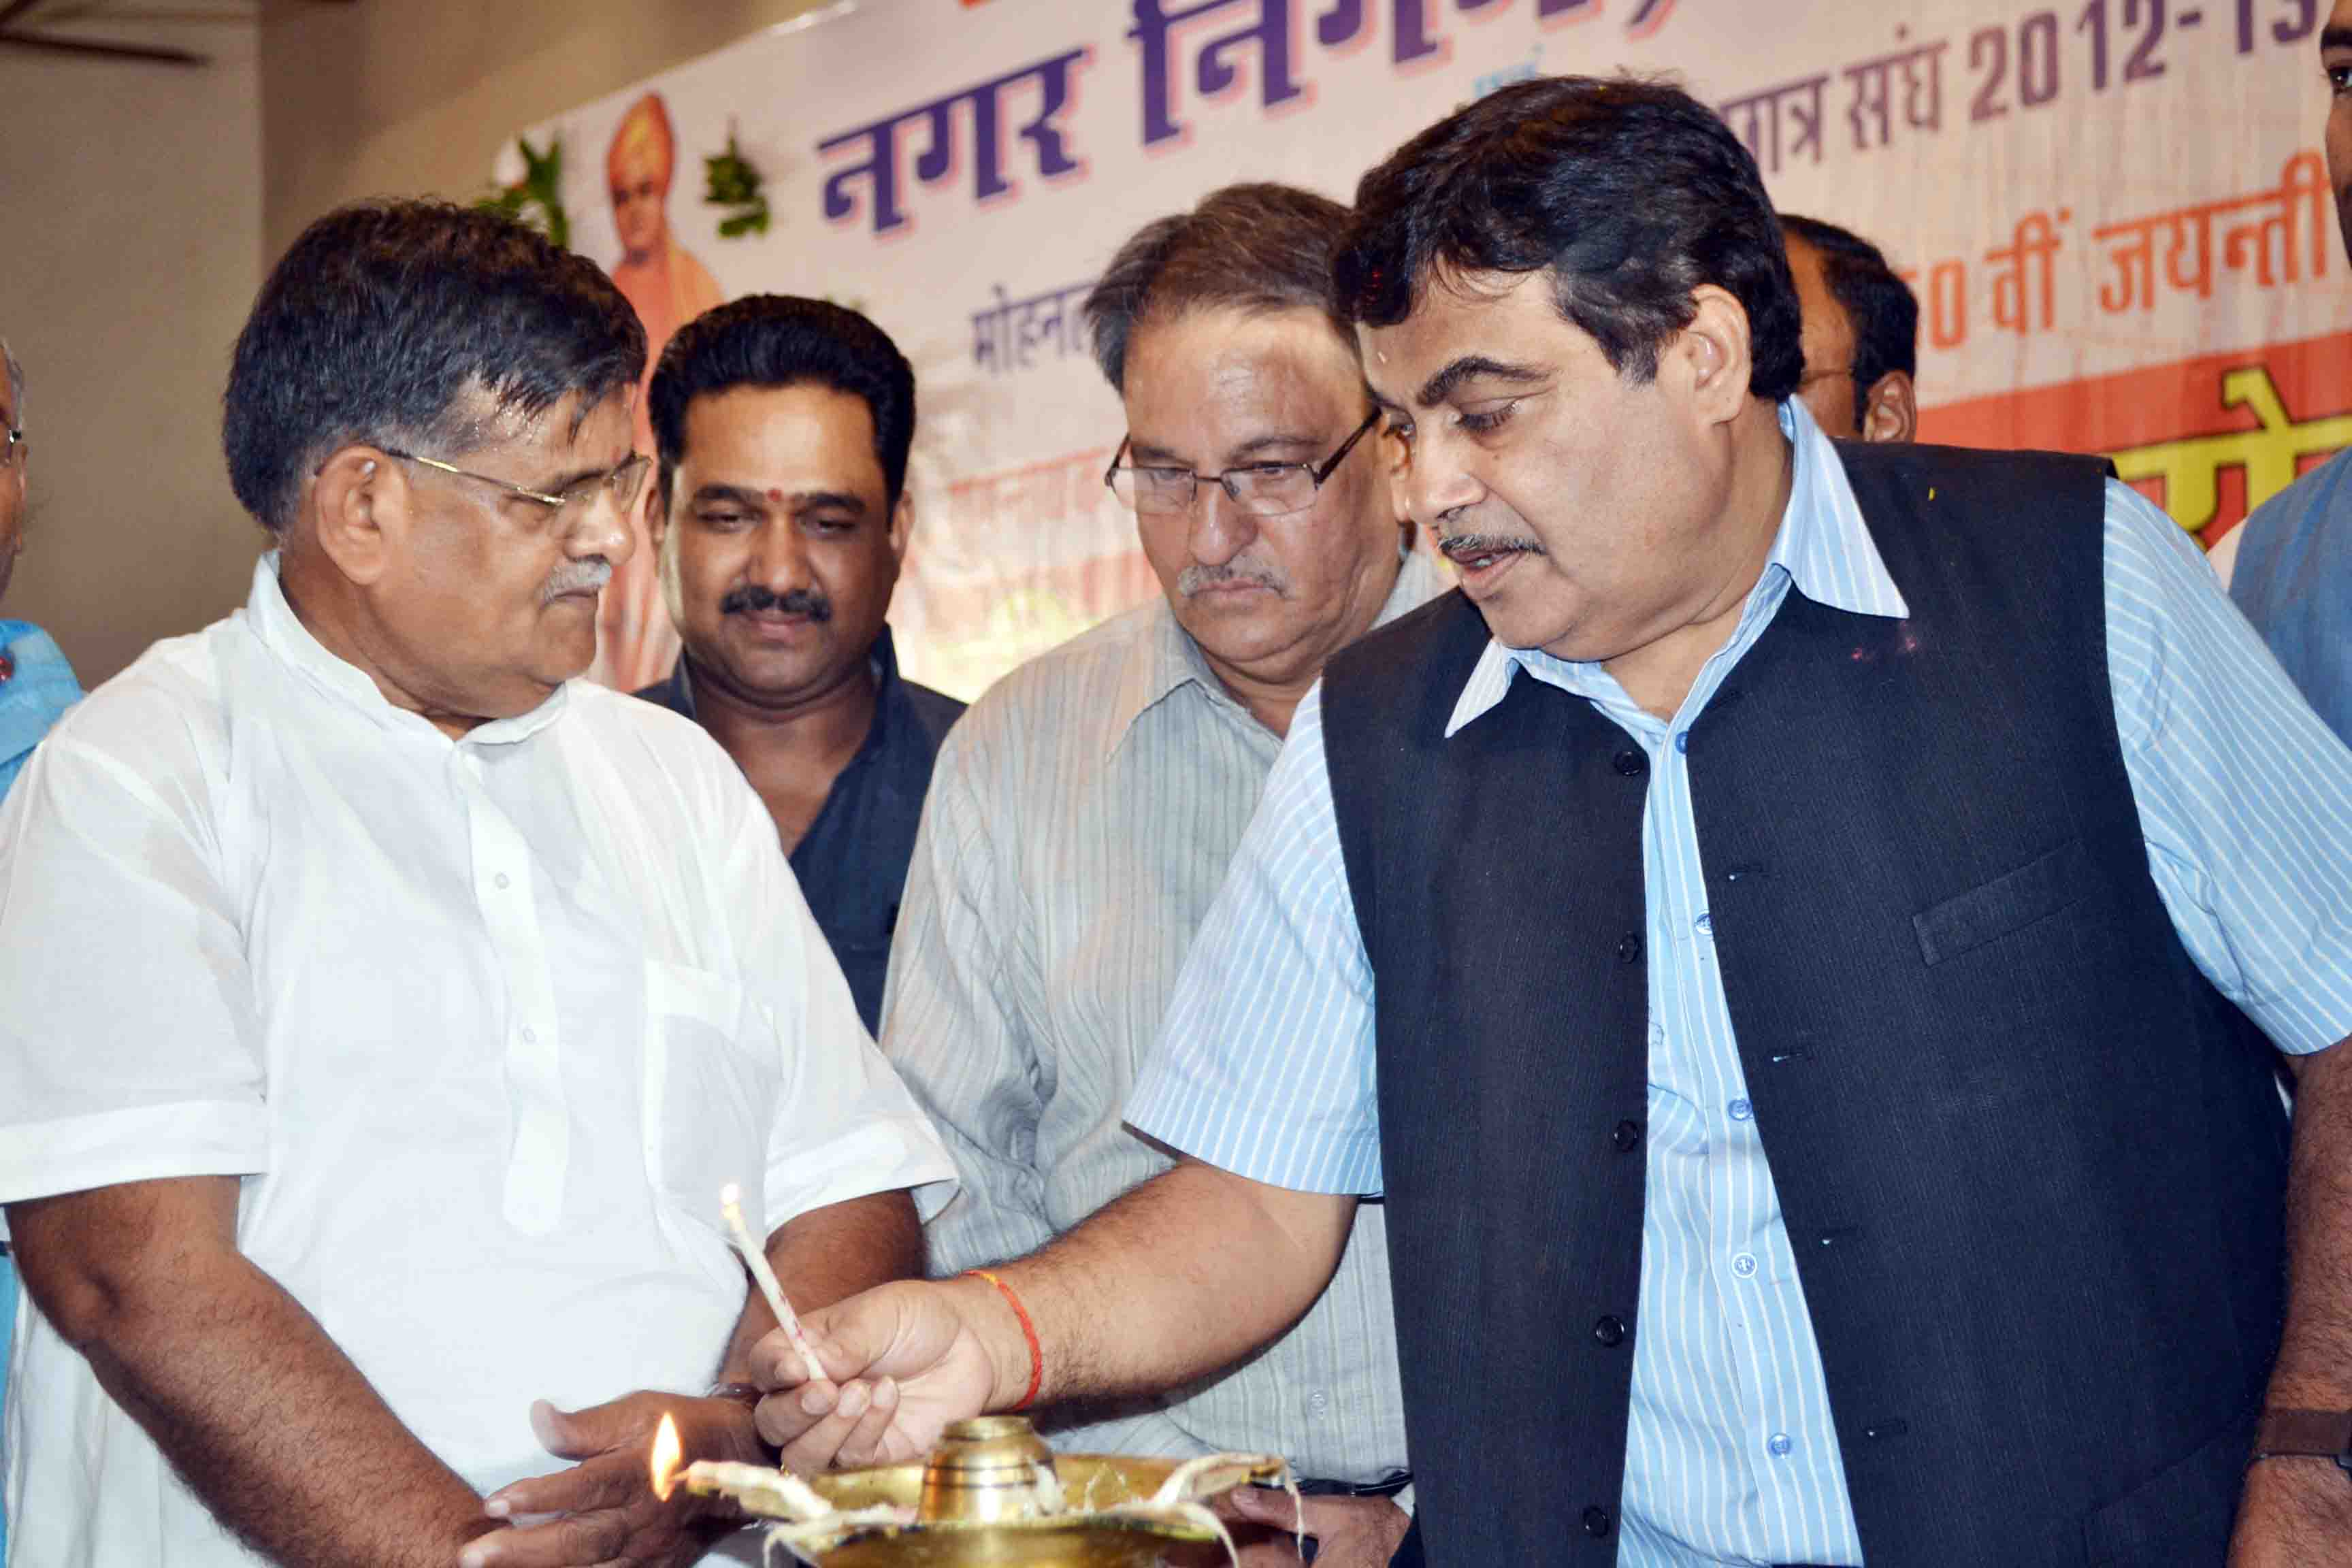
<point>1860,336</point>
<point>387,1008</point>
<point>1082,814</point>
<point>36,684</point>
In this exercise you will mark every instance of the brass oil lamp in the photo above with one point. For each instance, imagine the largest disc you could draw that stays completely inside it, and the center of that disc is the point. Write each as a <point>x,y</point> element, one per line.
<point>991,1493</point>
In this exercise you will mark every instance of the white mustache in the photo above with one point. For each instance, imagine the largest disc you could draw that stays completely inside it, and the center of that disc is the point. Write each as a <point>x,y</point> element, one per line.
<point>585,576</point>
<point>1195,577</point>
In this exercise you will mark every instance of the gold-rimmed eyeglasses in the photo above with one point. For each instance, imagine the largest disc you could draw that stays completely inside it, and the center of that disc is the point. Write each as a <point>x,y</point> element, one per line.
<point>1260,489</point>
<point>621,483</point>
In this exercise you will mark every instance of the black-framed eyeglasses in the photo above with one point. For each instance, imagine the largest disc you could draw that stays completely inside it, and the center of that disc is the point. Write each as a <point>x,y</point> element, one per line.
<point>621,483</point>
<point>1260,489</point>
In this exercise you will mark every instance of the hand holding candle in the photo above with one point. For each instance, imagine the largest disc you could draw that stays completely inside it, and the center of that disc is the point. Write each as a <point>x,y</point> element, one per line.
<point>731,1206</point>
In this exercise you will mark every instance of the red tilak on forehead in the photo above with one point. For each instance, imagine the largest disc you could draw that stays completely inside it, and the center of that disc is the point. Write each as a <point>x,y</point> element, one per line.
<point>775,495</point>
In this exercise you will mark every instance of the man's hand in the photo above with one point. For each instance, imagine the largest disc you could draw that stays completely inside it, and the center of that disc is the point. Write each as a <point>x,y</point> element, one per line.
<point>1111,1316</point>
<point>2298,1510</point>
<point>1347,1531</point>
<point>605,1507</point>
<point>2297,1513</point>
<point>903,1361</point>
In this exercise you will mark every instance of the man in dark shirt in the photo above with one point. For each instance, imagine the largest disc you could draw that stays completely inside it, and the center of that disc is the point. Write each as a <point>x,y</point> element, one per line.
<point>782,426</point>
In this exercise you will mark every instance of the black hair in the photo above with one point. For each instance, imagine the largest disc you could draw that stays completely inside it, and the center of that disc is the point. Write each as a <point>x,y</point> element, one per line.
<point>1631,194</point>
<point>1249,247</point>
<point>780,339</point>
<point>1880,308</point>
<point>384,321</point>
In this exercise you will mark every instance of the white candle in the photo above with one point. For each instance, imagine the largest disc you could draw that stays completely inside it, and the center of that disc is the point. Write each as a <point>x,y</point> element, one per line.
<point>730,1205</point>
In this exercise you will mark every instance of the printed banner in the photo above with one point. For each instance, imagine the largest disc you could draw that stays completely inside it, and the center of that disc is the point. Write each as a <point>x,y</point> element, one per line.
<point>2117,216</point>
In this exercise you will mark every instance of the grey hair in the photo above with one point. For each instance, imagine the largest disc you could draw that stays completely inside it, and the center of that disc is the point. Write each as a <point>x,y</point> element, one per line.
<point>16,384</point>
<point>1251,247</point>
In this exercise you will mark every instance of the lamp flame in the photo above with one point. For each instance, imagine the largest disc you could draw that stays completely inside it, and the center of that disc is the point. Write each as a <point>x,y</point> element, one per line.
<point>667,1452</point>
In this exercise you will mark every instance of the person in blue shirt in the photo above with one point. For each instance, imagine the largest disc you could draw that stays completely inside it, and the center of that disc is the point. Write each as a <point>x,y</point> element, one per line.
<point>1804,946</point>
<point>36,684</point>
<point>2289,566</point>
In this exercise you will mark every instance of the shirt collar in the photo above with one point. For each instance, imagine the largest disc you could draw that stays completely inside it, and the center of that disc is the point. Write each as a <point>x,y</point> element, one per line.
<point>1163,661</point>
<point>281,631</point>
<point>1823,545</point>
<point>1167,659</point>
<point>886,691</point>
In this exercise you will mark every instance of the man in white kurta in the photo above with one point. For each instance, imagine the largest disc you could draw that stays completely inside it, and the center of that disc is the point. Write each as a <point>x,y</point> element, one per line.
<point>482,1023</point>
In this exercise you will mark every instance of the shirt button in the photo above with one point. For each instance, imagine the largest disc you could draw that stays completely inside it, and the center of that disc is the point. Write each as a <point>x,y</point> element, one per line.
<point>1610,1332</point>
<point>1682,742</point>
<point>1596,1521</point>
<point>1744,1265</point>
<point>1779,1445</point>
<point>1740,1109</point>
<point>1321,1402</point>
<point>1705,924</point>
<point>530,1035</point>
<point>1629,947</point>
<point>1630,763</point>
<point>1657,1033</point>
<point>500,878</point>
<point>1628,1137</point>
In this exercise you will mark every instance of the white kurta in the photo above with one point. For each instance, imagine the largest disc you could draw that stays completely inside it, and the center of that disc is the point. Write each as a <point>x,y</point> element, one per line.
<point>485,1024</point>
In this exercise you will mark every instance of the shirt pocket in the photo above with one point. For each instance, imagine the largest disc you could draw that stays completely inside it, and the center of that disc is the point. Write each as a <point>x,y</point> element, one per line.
<point>712,1077</point>
<point>2010,902</point>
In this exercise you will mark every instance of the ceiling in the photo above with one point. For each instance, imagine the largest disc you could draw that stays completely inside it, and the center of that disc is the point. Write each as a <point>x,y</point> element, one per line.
<point>165,33</point>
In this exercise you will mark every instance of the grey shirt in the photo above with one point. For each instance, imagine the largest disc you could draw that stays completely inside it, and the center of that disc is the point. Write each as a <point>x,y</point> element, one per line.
<point>1081,820</point>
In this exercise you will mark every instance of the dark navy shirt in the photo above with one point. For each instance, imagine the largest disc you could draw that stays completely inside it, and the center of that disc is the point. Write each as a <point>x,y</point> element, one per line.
<point>852,861</point>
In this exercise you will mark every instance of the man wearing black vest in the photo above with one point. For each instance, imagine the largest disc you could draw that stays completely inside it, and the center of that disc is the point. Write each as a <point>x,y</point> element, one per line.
<point>1920,819</point>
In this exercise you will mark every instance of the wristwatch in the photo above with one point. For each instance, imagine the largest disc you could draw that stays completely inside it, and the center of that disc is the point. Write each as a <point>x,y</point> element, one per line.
<point>2304,1433</point>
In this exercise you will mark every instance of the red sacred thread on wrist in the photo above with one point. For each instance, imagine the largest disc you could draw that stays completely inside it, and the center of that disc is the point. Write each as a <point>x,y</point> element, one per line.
<point>1028,1332</point>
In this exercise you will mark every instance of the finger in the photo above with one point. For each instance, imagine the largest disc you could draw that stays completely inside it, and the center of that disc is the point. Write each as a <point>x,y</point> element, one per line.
<point>819,1448</point>
<point>569,1434</point>
<point>565,1543</point>
<point>1263,1505</point>
<point>611,1481</point>
<point>782,1417</point>
<point>775,1363</point>
<point>849,1337</point>
<point>863,1444</point>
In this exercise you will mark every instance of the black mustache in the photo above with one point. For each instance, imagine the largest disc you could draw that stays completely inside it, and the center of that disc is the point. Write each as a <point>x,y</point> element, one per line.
<point>793,602</point>
<point>1470,546</point>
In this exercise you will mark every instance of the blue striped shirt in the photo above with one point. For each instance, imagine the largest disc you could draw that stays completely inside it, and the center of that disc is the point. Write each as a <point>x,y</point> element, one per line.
<point>1266,1065</point>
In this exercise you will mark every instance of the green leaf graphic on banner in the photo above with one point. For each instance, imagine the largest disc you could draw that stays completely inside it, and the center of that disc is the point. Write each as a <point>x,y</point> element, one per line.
<point>729,181</point>
<point>536,198</point>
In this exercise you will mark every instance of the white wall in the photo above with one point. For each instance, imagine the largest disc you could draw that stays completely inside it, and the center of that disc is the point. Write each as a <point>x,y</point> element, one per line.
<point>130,250</point>
<point>140,206</point>
<point>416,97</point>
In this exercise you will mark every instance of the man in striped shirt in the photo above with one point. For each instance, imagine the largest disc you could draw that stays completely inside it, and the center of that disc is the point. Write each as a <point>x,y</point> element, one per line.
<point>1794,944</point>
<point>1081,814</point>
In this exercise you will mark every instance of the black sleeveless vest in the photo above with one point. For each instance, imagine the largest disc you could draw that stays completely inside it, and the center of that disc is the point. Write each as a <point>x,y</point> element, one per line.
<point>2031,1162</point>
